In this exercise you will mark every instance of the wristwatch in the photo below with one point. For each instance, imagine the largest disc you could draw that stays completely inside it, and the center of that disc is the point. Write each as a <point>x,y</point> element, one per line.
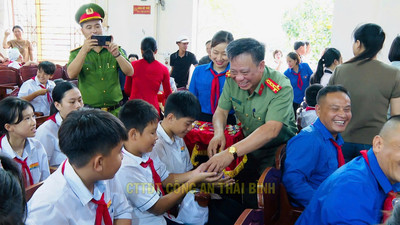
<point>233,151</point>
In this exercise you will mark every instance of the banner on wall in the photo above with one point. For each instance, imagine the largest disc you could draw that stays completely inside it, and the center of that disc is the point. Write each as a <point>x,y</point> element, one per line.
<point>141,9</point>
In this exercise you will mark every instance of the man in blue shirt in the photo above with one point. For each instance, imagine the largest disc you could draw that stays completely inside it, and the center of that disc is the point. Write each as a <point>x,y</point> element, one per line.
<point>355,193</point>
<point>311,156</point>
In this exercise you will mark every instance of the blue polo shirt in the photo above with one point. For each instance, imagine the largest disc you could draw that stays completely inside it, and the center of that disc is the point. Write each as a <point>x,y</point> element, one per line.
<point>354,194</point>
<point>310,159</point>
<point>200,85</point>
<point>305,72</point>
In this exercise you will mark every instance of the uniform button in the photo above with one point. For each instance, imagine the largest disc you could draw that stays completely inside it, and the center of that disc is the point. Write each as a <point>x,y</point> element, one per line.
<point>87,68</point>
<point>99,66</point>
<point>234,107</point>
<point>104,103</point>
<point>113,66</point>
<point>104,91</point>
<point>259,118</point>
<point>248,98</point>
<point>247,128</point>
<point>102,78</point>
<point>247,115</point>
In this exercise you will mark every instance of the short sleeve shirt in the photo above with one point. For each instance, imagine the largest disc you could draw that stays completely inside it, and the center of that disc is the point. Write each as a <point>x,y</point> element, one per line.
<point>98,79</point>
<point>41,102</point>
<point>181,66</point>
<point>261,106</point>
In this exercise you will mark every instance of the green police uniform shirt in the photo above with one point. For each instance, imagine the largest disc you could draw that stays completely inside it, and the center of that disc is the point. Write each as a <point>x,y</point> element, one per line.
<point>98,80</point>
<point>261,106</point>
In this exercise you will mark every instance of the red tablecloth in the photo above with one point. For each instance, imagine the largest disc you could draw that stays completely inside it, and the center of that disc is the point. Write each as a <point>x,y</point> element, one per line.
<point>199,137</point>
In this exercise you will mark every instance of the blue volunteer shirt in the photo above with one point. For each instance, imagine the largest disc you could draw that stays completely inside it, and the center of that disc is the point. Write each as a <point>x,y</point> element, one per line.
<point>305,72</point>
<point>310,159</point>
<point>354,194</point>
<point>200,85</point>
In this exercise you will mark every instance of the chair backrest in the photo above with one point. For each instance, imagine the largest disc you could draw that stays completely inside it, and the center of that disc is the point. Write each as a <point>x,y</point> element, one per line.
<point>40,120</point>
<point>10,76</point>
<point>288,214</point>
<point>27,72</point>
<point>251,217</point>
<point>58,73</point>
<point>280,156</point>
<point>268,194</point>
<point>29,191</point>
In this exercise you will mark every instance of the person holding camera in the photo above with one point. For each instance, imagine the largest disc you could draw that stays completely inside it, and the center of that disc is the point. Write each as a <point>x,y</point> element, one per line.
<point>97,61</point>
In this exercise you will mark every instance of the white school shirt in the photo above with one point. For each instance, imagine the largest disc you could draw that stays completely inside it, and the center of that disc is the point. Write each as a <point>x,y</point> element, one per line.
<point>47,134</point>
<point>138,186</point>
<point>64,199</point>
<point>40,103</point>
<point>37,158</point>
<point>325,77</point>
<point>174,154</point>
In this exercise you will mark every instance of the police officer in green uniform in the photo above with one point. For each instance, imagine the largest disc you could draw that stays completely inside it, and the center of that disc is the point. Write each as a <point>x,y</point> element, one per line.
<point>96,67</point>
<point>262,100</point>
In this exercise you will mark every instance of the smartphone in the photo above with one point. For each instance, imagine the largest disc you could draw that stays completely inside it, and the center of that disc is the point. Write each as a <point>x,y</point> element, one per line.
<point>102,40</point>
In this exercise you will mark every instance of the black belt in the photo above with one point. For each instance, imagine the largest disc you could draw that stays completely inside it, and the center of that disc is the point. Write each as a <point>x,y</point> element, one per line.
<point>107,109</point>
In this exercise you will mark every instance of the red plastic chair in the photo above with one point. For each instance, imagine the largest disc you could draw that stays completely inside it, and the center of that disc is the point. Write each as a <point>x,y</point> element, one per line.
<point>27,72</point>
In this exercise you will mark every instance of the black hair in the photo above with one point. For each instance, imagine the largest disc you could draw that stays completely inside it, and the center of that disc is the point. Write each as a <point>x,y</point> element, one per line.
<point>87,132</point>
<point>331,89</point>
<point>59,93</point>
<point>47,67</point>
<point>133,55</point>
<point>138,114</point>
<point>394,219</point>
<point>221,37</point>
<point>307,43</point>
<point>17,27</point>
<point>209,41</point>
<point>182,104</point>
<point>11,109</point>
<point>394,52</point>
<point>276,51</point>
<point>371,36</point>
<point>148,46</point>
<point>326,60</point>
<point>294,56</point>
<point>246,46</point>
<point>12,193</point>
<point>298,44</point>
<point>311,94</point>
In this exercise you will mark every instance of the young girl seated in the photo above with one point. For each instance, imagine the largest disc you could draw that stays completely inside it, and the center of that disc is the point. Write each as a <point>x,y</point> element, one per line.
<point>67,98</point>
<point>18,126</point>
<point>12,197</point>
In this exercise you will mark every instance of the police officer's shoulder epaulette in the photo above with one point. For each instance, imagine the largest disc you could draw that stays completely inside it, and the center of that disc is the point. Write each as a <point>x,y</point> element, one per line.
<point>273,85</point>
<point>228,73</point>
<point>76,48</point>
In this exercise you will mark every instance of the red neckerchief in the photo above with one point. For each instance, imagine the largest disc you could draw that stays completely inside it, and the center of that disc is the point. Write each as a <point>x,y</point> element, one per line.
<point>49,99</point>
<point>156,177</point>
<point>308,108</point>
<point>387,204</point>
<point>24,166</point>
<point>340,157</point>
<point>215,90</point>
<point>53,118</point>
<point>101,211</point>
<point>299,80</point>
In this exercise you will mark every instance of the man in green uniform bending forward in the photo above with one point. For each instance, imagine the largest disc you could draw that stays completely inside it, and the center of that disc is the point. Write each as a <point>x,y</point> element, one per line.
<point>96,67</point>
<point>262,99</point>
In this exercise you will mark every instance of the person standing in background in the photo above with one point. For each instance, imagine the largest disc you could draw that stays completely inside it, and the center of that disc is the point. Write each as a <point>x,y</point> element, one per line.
<point>181,61</point>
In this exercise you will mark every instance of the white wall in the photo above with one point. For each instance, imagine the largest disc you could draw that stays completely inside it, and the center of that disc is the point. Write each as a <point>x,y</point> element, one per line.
<point>129,29</point>
<point>349,14</point>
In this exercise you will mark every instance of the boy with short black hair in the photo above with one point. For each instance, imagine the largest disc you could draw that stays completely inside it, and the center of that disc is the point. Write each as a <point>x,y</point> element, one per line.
<point>38,90</point>
<point>142,176</point>
<point>83,190</point>
<point>308,115</point>
<point>181,110</point>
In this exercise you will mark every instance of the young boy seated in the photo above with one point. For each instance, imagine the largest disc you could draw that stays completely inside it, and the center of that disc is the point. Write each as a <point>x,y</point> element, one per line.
<point>142,177</point>
<point>181,109</point>
<point>84,190</point>
<point>308,115</point>
<point>38,90</point>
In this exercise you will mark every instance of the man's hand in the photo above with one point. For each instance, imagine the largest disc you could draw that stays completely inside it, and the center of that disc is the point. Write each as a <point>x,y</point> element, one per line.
<point>217,142</point>
<point>89,44</point>
<point>219,161</point>
<point>7,33</point>
<point>113,49</point>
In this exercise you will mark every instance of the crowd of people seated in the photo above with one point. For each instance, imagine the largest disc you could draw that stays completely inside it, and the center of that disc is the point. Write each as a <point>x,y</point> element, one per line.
<point>101,160</point>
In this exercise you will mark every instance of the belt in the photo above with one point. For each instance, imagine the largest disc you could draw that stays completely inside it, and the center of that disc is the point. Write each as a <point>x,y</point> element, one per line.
<point>107,109</point>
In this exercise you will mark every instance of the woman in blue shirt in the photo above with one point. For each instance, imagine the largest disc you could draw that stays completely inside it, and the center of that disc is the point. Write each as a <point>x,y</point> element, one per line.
<point>299,75</point>
<point>208,80</point>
